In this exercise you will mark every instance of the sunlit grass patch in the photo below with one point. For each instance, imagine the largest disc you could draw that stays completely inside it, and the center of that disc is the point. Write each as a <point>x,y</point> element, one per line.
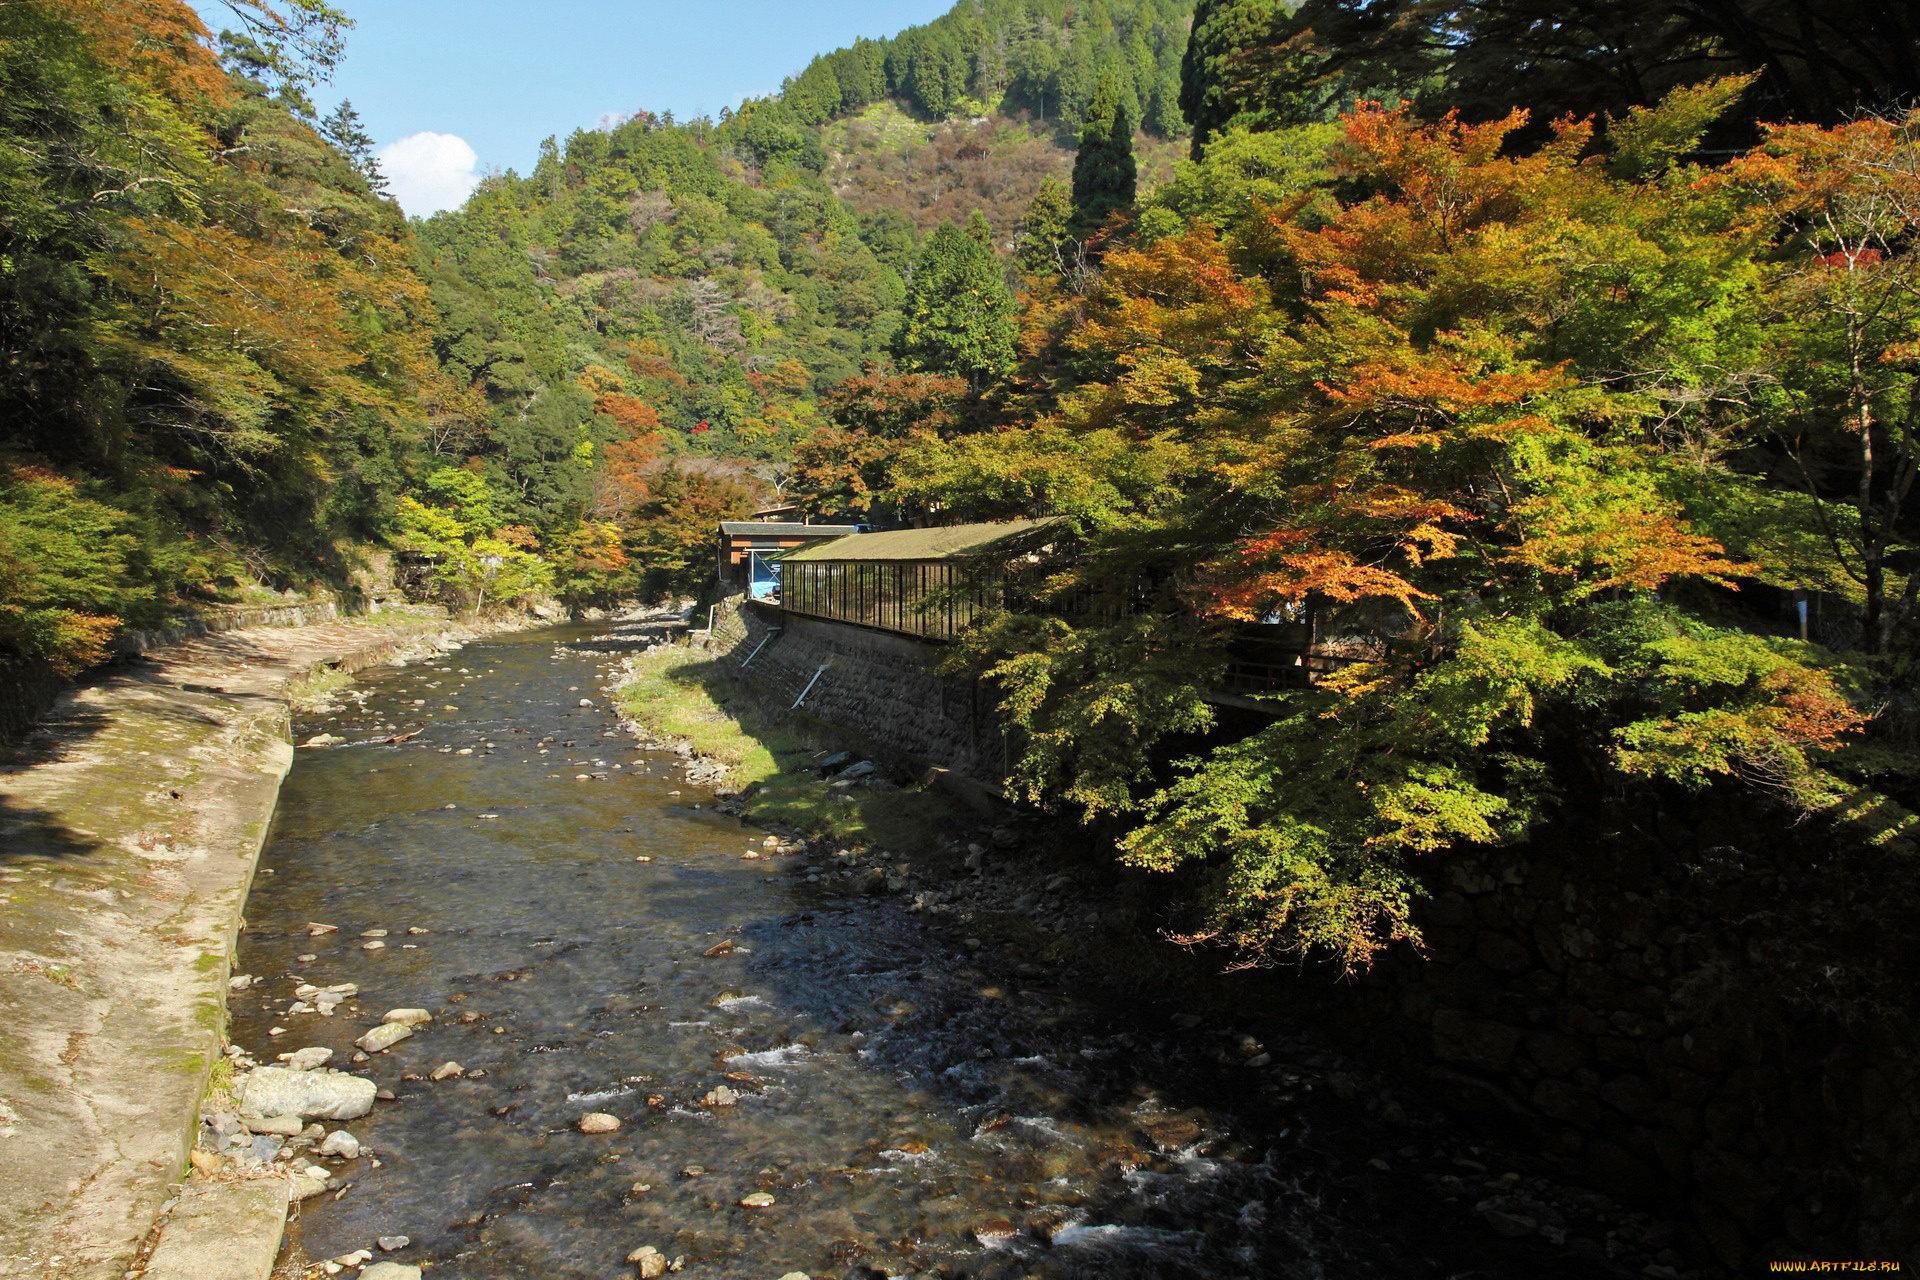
<point>680,696</point>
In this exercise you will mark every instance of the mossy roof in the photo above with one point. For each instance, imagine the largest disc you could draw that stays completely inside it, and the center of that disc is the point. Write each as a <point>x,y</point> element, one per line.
<point>782,529</point>
<point>950,542</point>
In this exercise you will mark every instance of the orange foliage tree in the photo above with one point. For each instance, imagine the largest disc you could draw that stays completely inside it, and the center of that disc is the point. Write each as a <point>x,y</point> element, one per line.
<point>1415,420</point>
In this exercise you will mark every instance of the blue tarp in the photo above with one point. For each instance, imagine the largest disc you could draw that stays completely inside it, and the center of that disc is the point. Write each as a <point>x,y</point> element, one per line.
<point>763,576</point>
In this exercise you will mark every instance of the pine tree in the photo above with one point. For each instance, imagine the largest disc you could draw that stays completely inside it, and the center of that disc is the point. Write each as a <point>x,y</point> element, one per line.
<point>1104,174</point>
<point>342,128</point>
<point>960,315</point>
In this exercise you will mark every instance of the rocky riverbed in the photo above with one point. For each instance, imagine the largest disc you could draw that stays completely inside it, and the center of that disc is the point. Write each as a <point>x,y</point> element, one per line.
<point>631,1036</point>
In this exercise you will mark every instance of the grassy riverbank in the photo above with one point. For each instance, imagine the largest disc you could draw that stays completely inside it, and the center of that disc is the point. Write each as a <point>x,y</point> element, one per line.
<point>681,696</point>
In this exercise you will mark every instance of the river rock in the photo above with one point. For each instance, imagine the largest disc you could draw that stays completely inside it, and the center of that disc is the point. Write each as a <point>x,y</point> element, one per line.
<point>720,1097</point>
<point>758,1200</point>
<point>307,1059</point>
<point>308,1183</point>
<point>392,1244</point>
<point>342,1144</point>
<point>315,929</point>
<point>598,1122</point>
<point>322,1094</point>
<point>278,1126</point>
<point>407,1017</point>
<point>1513,1225</point>
<point>384,1037</point>
<point>649,1260</point>
<point>445,1071</point>
<point>390,1271</point>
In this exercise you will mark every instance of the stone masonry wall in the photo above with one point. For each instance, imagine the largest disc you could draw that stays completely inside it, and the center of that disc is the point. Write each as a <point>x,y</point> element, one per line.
<point>876,686</point>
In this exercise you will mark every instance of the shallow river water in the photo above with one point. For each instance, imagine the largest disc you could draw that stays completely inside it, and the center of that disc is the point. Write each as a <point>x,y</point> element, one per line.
<point>911,1107</point>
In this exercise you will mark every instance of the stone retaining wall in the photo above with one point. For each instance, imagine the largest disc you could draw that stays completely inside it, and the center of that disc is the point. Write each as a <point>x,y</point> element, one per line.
<point>29,689</point>
<point>878,687</point>
<point>212,621</point>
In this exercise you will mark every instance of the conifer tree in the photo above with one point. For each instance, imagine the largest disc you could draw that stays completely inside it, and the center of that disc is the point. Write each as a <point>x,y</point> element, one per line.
<point>343,129</point>
<point>1104,174</point>
<point>960,315</point>
<point>1216,83</point>
<point>1045,229</point>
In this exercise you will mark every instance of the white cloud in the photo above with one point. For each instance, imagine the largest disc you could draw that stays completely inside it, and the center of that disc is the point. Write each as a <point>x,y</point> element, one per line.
<point>428,172</point>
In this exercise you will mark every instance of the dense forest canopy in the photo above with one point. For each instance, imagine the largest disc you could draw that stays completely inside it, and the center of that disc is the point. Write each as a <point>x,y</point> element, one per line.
<point>1550,366</point>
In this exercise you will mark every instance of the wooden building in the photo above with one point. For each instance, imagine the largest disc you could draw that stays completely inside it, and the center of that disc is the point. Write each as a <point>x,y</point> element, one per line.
<point>922,582</point>
<point>743,543</point>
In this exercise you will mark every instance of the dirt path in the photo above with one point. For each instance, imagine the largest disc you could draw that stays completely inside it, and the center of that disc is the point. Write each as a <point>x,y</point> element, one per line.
<point>130,823</point>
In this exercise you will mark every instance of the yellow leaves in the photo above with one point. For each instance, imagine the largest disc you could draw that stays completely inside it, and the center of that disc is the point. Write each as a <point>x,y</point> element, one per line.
<point>247,325</point>
<point>1157,378</point>
<point>1596,518</point>
<point>1182,295</point>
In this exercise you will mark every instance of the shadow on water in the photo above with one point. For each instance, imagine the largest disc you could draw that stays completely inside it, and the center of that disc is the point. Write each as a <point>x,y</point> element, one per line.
<point>564,907</point>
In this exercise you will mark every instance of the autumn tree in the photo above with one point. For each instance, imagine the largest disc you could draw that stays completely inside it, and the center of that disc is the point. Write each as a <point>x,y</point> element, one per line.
<point>206,321</point>
<point>1840,211</point>
<point>844,467</point>
<point>1411,421</point>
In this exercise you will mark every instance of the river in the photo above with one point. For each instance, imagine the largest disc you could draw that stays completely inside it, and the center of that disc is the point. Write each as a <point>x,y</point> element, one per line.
<point>551,893</point>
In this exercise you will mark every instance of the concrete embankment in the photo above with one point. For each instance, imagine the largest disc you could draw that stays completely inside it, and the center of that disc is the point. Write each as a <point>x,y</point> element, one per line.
<point>130,822</point>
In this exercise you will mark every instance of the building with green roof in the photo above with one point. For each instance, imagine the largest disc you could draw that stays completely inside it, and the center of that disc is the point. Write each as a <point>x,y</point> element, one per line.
<point>923,582</point>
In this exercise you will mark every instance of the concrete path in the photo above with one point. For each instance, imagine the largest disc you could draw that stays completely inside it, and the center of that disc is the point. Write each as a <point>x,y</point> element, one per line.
<point>130,823</point>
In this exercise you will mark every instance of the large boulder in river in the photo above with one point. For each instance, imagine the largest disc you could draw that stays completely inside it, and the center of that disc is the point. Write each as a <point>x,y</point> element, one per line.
<point>314,1095</point>
<point>384,1037</point>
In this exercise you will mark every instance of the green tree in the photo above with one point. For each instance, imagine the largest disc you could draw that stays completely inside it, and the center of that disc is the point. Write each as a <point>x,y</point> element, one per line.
<point>1105,176</point>
<point>343,129</point>
<point>1043,242</point>
<point>1217,84</point>
<point>960,315</point>
<point>461,527</point>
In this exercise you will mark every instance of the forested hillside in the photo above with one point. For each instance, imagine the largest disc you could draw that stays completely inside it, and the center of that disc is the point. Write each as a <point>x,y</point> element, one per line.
<point>1042,58</point>
<point>231,362</point>
<point>215,355</point>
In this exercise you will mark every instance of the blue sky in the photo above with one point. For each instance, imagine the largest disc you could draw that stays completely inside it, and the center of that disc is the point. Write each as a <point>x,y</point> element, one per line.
<point>450,90</point>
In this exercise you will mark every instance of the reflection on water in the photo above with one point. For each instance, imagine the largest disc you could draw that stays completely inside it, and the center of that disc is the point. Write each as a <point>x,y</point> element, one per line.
<point>911,1108</point>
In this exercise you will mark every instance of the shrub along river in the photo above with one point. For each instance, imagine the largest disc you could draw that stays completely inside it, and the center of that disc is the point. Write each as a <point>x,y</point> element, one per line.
<point>847,1090</point>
